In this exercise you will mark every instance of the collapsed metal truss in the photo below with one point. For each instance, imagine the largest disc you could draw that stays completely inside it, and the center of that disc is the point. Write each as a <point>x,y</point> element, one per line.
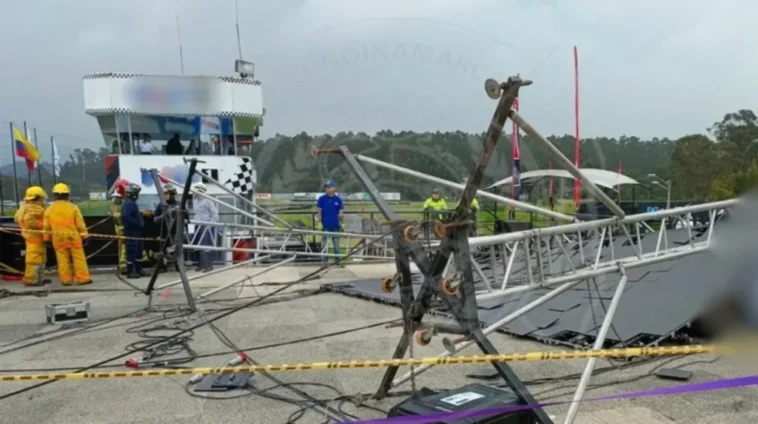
<point>458,293</point>
<point>534,246</point>
<point>456,289</point>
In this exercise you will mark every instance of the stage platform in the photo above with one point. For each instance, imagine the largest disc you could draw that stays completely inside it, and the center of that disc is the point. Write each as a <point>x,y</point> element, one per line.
<point>658,300</point>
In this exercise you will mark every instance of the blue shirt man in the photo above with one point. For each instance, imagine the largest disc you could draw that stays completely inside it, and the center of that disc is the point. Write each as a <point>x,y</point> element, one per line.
<point>330,209</point>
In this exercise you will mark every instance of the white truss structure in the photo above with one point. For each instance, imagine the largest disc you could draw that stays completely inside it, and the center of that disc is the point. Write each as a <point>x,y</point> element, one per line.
<point>271,241</point>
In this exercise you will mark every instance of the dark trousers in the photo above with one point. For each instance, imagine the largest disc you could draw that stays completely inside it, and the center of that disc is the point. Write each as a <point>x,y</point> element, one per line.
<point>134,249</point>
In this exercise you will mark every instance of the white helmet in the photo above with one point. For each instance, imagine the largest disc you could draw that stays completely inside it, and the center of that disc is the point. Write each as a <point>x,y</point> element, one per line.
<point>199,188</point>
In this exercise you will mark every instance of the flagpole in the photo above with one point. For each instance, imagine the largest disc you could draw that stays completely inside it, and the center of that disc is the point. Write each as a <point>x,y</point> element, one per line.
<point>52,153</point>
<point>28,172</point>
<point>39,163</point>
<point>577,142</point>
<point>15,171</point>
<point>2,200</point>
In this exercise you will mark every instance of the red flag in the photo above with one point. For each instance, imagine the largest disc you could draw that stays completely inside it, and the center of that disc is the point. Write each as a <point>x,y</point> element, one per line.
<point>577,153</point>
<point>516,153</point>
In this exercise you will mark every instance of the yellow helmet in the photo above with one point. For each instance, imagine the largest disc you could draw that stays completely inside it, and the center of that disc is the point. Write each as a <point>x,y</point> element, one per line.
<point>34,192</point>
<point>61,188</point>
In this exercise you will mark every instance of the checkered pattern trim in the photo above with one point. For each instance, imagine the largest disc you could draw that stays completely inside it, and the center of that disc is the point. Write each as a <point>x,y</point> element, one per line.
<point>123,111</point>
<point>101,75</point>
<point>237,80</point>
<point>242,181</point>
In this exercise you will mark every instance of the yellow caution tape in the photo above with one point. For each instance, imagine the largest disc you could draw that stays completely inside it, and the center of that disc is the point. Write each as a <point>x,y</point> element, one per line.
<point>83,235</point>
<point>319,366</point>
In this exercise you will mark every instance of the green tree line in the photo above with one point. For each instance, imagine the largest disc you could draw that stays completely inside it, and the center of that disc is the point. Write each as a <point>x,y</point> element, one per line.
<point>719,163</point>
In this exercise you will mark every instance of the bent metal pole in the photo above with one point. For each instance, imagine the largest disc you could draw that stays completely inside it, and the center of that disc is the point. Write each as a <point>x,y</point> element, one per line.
<point>209,273</point>
<point>480,193</point>
<point>567,164</point>
<point>247,277</point>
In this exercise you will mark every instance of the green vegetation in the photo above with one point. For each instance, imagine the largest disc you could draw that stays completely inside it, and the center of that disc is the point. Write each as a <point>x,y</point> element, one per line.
<point>718,164</point>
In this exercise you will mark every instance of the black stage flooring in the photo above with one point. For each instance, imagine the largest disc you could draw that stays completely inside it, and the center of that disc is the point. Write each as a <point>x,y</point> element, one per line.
<point>658,300</point>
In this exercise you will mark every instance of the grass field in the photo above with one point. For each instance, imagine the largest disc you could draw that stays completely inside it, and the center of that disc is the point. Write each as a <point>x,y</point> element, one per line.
<point>305,214</point>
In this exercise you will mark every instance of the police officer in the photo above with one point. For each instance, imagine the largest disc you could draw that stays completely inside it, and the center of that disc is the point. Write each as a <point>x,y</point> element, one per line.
<point>134,225</point>
<point>435,203</point>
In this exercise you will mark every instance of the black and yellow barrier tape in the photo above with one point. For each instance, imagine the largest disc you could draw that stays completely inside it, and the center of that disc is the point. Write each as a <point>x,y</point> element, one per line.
<point>322,366</point>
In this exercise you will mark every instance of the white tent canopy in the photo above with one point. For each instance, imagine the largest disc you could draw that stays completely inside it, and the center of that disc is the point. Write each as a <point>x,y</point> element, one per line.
<point>601,177</point>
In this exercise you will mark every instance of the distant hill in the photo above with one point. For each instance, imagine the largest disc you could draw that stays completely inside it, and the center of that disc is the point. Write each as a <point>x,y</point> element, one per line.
<point>7,169</point>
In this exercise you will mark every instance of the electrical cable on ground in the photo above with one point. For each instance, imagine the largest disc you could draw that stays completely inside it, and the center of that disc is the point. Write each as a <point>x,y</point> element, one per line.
<point>80,328</point>
<point>228,352</point>
<point>222,315</point>
<point>327,411</point>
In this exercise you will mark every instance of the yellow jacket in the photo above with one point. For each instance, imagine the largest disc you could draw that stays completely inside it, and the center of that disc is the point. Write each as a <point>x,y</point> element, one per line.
<point>65,221</point>
<point>30,216</point>
<point>474,204</point>
<point>437,205</point>
<point>19,214</point>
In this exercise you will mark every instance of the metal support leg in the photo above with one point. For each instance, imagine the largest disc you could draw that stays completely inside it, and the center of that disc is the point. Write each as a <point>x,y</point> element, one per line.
<point>463,304</point>
<point>181,216</point>
<point>599,341</point>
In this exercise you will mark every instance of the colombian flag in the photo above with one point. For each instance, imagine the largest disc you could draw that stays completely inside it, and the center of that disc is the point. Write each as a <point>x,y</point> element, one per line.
<point>25,150</point>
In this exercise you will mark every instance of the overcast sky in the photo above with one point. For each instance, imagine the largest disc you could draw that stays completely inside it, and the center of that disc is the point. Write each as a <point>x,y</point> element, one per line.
<point>647,67</point>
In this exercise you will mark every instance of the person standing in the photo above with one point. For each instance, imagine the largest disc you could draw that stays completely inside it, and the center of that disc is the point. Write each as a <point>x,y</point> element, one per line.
<point>330,214</point>
<point>64,226</point>
<point>134,225</point>
<point>471,215</point>
<point>30,217</point>
<point>117,202</point>
<point>435,205</point>
<point>205,235</point>
<point>146,148</point>
<point>162,216</point>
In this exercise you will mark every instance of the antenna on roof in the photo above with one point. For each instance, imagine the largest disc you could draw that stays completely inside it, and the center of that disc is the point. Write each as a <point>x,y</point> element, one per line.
<point>243,68</point>
<point>179,37</point>
<point>237,19</point>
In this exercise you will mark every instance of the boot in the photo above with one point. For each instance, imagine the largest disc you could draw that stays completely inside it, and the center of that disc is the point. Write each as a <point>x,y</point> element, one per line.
<point>39,283</point>
<point>83,283</point>
<point>133,274</point>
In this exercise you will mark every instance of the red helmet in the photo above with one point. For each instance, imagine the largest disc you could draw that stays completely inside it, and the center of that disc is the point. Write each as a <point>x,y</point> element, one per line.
<point>119,189</point>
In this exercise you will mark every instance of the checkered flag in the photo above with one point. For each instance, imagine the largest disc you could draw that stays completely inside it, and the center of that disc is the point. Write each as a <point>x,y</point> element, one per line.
<point>242,181</point>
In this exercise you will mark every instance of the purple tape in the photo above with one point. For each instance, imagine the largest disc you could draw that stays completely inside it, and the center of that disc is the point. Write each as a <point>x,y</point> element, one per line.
<point>729,383</point>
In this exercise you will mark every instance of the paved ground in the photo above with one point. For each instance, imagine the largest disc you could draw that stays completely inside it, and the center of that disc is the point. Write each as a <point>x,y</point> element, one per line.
<point>27,344</point>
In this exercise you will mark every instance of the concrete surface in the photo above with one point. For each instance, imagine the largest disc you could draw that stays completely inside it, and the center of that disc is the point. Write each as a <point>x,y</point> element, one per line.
<point>27,344</point>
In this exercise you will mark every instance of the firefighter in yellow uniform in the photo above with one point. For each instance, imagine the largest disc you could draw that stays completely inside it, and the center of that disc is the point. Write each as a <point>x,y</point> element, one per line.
<point>115,211</point>
<point>30,217</point>
<point>64,226</point>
